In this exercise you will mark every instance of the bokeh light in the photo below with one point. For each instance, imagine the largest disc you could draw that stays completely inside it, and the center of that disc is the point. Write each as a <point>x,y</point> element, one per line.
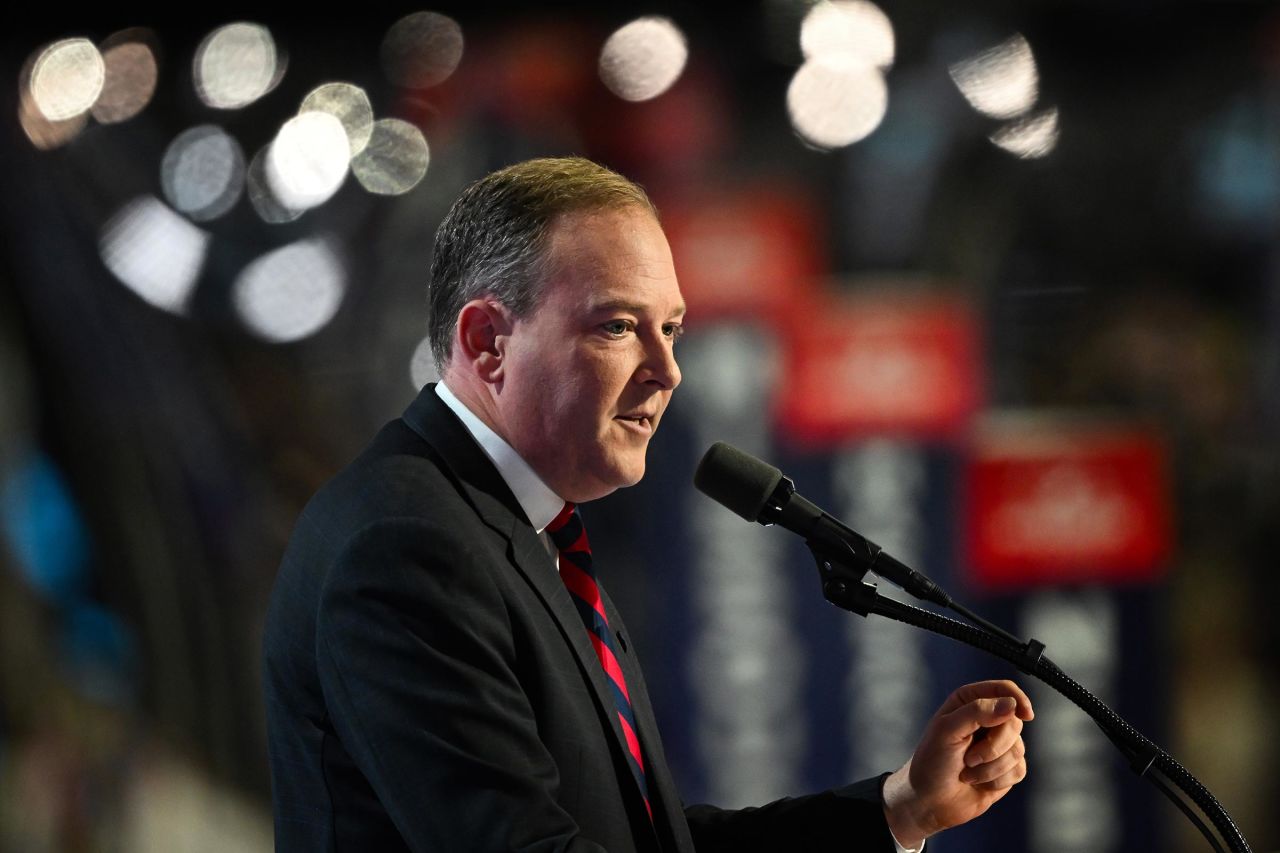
<point>308,160</point>
<point>291,292</point>
<point>422,49</point>
<point>835,100</point>
<point>154,252</point>
<point>67,78</point>
<point>203,172</point>
<point>235,65</point>
<point>131,75</point>
<point>1030,138</point>
<point>348,104</point>
<point>644,58</point>
<point>269,207</point>
<point>1000,82</point>
<point>854,27</point>
<point>45,134</point>
<point>395,159</point>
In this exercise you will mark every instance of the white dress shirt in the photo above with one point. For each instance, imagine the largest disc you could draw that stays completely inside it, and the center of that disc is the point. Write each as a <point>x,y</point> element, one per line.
<point>540,504</point>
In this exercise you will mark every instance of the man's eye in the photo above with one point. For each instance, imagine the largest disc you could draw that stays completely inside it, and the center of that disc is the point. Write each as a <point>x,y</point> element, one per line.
<point>617,327</point>
<point>673,331</point>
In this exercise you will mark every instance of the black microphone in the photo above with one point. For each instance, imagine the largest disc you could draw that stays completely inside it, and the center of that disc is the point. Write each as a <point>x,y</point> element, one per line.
<point>759,492</point>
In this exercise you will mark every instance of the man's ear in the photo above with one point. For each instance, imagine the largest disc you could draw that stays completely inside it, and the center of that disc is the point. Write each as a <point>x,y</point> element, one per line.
<point>483,328</point>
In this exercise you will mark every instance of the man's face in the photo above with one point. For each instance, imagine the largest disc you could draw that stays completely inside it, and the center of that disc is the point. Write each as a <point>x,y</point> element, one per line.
<point>588,373</point>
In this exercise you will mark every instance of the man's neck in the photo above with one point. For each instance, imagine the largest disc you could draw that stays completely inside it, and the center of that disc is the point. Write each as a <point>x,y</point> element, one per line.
<point>478,399</point>
<point>539,502</point>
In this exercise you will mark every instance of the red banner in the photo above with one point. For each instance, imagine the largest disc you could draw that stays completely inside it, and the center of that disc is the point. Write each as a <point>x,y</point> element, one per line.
<point>1052,505</point>
<point>892,364</point>
<point>749,255</point>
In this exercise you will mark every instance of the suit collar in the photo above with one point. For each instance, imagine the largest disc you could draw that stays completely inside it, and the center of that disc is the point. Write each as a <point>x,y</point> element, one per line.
<point>462,458</point>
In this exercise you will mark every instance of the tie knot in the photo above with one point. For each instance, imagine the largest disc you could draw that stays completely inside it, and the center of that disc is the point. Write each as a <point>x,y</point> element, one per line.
<point>567,532</point>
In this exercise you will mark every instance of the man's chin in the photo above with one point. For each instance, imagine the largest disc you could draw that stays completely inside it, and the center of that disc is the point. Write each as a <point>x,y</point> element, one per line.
<point>617,477</point>
<point>633,471</point>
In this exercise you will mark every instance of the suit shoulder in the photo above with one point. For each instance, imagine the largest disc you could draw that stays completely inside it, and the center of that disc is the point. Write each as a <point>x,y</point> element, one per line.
<point>396,482</point>
<point>397,474</point>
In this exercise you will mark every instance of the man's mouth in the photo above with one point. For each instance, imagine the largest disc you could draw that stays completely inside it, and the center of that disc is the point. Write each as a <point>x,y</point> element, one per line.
<point>642,424</point>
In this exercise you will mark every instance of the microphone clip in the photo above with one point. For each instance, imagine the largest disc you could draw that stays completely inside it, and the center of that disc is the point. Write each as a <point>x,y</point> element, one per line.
<point>842,573</point>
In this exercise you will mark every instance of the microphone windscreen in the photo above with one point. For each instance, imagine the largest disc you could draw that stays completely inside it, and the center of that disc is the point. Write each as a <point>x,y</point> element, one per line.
<point>738,480</point>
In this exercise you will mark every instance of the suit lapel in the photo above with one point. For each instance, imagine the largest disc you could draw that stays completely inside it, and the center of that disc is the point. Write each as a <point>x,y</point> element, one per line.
<point>483,487</point>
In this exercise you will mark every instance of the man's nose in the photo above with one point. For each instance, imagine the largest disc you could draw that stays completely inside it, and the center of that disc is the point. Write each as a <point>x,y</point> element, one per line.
<point>660,365</point>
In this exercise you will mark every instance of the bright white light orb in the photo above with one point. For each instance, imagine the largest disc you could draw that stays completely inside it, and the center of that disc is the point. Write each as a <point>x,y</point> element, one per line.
<point>67,78</point>
<point>854,27</point>
<point>292,292</point>
<point>835,100</point>
<point>644,58</point>
<point>1030,138</point>
<point>308,160</point>
<point>235,65</point>
<point>266,204</point>
<point>1000,82</point>
<point>154,252</point>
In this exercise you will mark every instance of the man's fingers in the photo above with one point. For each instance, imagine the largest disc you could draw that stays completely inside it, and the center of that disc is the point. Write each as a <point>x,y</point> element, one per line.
<point>964,721</point>
<point>995,741</point>
<point>998,767</point>
<point>1015,775</point>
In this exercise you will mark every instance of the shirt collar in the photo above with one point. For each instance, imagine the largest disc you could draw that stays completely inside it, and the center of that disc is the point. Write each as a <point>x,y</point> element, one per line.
<point>540,504</point>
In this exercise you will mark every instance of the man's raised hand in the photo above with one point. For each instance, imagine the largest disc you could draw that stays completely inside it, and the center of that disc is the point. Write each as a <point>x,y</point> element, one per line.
<point>970,755</point>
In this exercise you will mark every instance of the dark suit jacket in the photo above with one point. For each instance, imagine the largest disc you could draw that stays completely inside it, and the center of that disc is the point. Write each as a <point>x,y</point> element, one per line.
<point>430,686</point>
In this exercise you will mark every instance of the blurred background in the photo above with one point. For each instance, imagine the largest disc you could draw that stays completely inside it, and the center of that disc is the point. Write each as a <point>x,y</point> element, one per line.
<point>995,282</point>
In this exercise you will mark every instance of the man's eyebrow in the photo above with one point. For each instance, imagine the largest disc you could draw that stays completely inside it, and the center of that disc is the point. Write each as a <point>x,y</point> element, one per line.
<point>633,307</point>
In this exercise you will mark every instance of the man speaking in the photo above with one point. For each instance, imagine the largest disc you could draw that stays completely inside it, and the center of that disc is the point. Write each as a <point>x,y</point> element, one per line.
<point>443,670</point>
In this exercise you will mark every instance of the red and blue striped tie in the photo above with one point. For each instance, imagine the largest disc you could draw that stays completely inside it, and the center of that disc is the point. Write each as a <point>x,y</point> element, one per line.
<point>570,539</point>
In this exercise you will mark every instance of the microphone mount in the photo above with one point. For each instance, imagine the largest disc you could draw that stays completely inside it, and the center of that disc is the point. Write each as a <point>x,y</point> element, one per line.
<point>844,584</point>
